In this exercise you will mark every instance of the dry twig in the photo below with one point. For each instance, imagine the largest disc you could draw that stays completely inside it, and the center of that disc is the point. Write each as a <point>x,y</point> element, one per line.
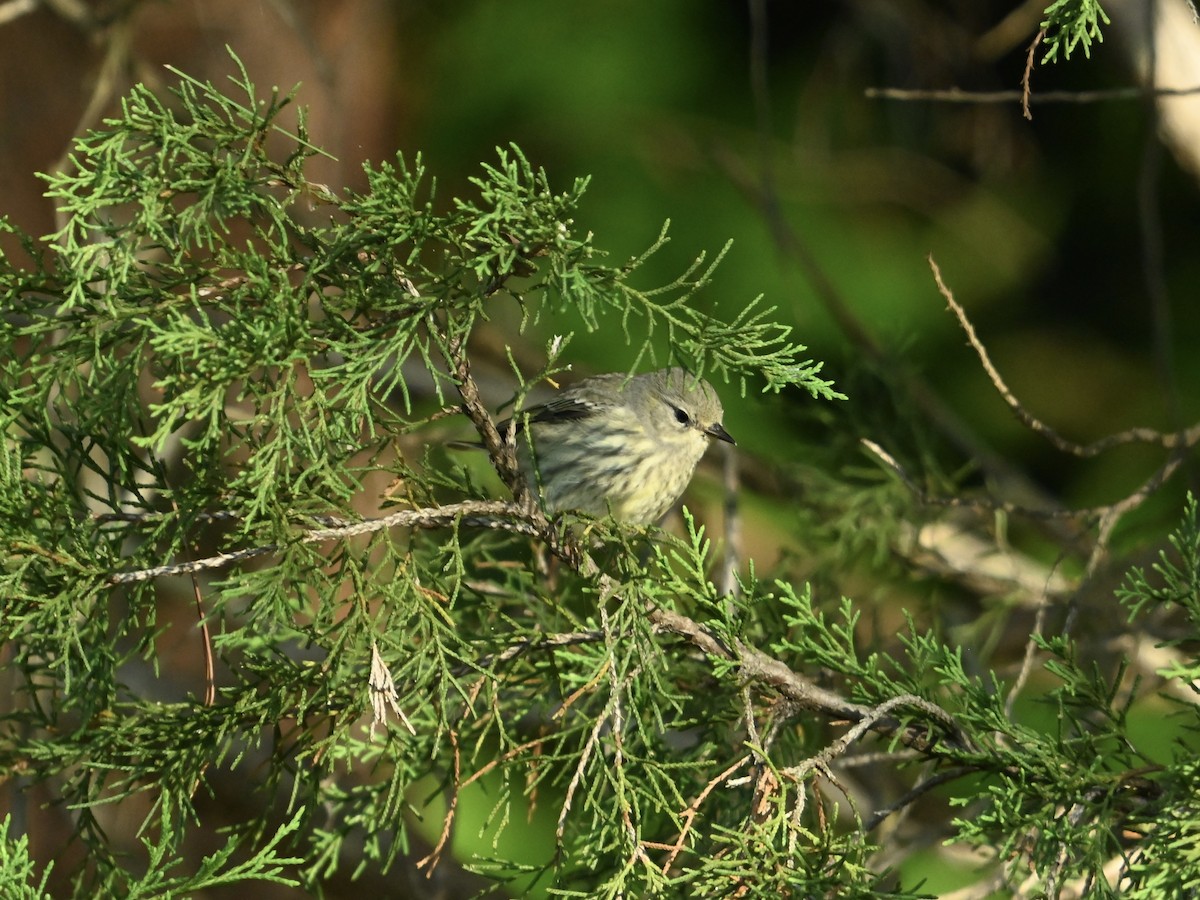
<point>1167,440</point>
<point>1028,74</point>
<point>434,856</point>
<point>496,514</point>
<point>958,95</point>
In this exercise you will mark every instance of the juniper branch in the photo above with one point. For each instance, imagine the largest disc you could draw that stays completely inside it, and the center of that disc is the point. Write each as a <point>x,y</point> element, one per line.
<point>493,514</point>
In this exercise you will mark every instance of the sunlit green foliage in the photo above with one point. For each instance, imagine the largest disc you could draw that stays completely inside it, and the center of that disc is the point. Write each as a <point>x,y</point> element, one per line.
<point>1070,24</point>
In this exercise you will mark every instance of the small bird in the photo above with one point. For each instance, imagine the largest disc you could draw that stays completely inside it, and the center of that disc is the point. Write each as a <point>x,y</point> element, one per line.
<point>617,444</point>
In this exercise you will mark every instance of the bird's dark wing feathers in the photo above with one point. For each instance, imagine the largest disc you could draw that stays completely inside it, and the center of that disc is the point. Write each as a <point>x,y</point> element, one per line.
<point>564,409</point>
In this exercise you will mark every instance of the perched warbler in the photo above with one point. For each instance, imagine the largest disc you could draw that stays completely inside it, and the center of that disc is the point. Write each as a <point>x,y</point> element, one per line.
<point>617,444</point>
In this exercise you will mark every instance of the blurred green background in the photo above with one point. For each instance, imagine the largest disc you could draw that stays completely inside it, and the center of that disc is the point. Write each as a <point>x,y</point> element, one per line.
<point>749,122</point>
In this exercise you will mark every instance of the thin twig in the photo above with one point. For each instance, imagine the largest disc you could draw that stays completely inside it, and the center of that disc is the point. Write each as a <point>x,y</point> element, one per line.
<point>988,506</point>
<point>616,687</point>
<point>913,793</point>
<point>210,677</point>
<point>511,753</point>
<point>1116,511</point>
<point>1031,647</point>
<point>218,561</point>
<point>141,518</point>
<point>748,712</point>
<point>589,747</point>
<point>689,814</point>
<point>435,855</point>
<point>532,645</point>
<point>496,514</point>
<point>975,504</point>
<point>1169,440</point>
<point>502,451</point>
<point>958,95</point>
<point>582,690</point>
<point>759,667</point>
<point>1027,76</point>
<point>872,758</point>
<point>879,714</point>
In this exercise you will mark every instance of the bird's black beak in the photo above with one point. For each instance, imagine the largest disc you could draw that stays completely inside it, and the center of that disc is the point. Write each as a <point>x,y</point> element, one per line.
<point>718,431</point>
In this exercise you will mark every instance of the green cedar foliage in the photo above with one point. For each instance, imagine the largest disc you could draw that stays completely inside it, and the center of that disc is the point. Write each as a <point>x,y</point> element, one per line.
<point>203,371</point>
<point>1070,24</point>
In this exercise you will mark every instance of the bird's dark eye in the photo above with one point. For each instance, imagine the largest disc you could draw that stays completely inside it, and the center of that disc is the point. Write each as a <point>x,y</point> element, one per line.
<point>681,416</point>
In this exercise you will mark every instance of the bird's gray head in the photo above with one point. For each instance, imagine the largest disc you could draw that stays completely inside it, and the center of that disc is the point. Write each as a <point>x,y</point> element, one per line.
<point>678,407</point>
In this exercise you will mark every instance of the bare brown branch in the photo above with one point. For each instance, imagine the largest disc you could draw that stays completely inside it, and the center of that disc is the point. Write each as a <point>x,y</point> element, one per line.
<point>434,856</point>
<point>958,95</point>
<point>766,671</point>
<point>495,514</point>
<point>1168,440</point>
<point>688,815</point>
<point>1027,77</point>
